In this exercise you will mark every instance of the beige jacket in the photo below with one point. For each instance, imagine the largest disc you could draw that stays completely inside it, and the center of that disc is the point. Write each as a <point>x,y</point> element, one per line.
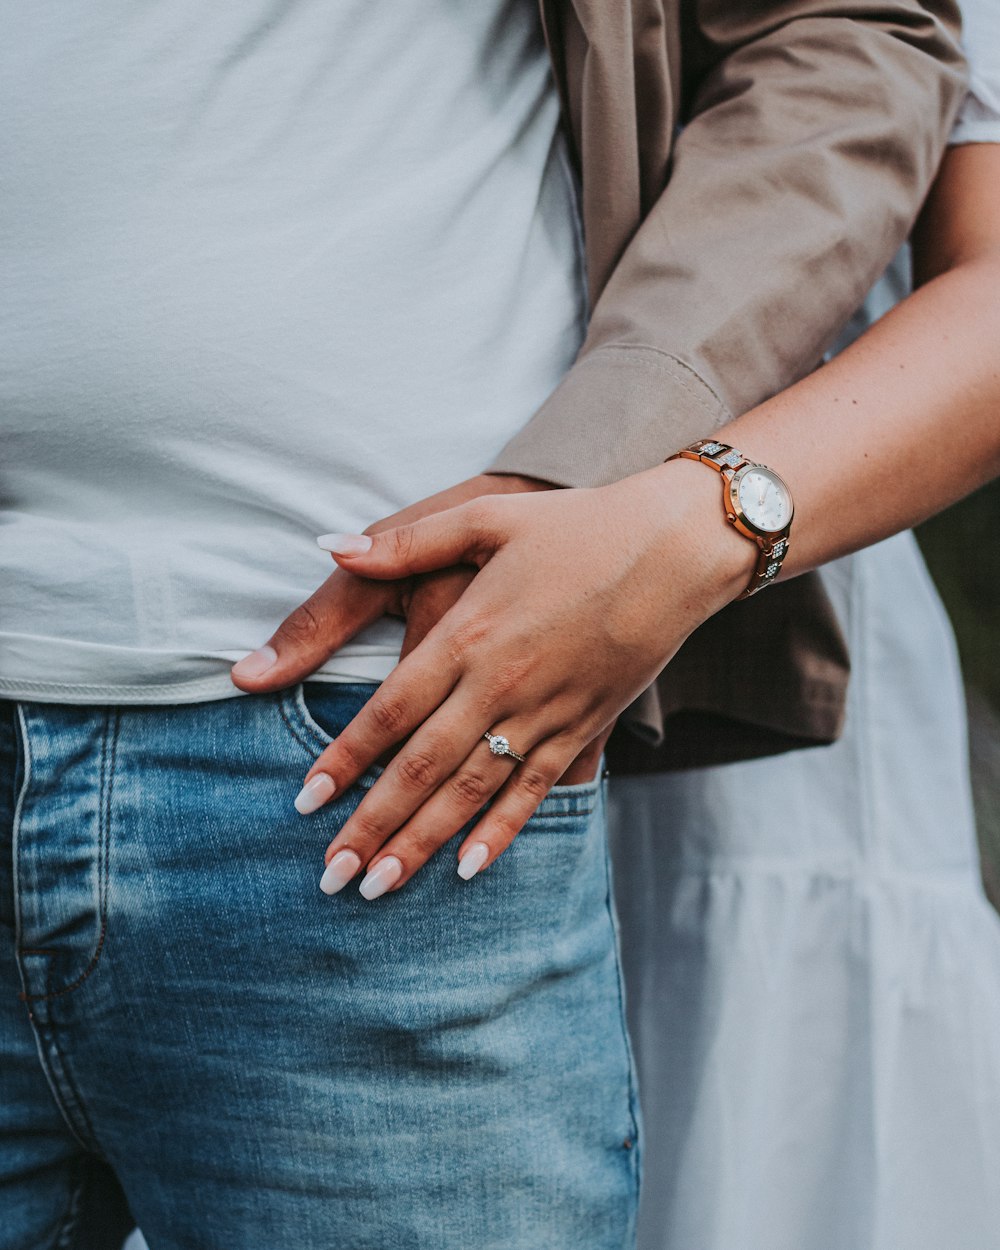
<point>747,170</point>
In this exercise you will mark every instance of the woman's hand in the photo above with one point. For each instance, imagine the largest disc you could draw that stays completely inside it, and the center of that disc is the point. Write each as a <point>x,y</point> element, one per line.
<point>345,604</point>
<point>581,597</point>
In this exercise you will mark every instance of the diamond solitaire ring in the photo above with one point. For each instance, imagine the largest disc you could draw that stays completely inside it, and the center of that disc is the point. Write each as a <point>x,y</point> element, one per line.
<point>500,746</point>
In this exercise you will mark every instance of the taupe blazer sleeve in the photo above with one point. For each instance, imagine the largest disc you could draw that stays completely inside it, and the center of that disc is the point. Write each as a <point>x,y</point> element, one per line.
<point>722,262</point>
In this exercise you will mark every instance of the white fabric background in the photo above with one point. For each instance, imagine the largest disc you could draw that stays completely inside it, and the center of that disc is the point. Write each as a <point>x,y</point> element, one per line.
<point>812,969</point>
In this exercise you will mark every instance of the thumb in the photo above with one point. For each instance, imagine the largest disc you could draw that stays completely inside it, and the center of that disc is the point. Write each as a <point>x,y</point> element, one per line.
<point>468,534</point>
<point>308,636</point>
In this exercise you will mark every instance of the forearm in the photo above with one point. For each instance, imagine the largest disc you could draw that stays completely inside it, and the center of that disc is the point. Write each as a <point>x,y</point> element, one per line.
<point>907,420</point>
<point>902,424</point>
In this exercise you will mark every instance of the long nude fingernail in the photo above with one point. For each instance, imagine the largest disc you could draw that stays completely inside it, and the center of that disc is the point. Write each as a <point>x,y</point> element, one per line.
<point>345,544</point>
<point>256,663</point>
<point>473,859</point>
<point>314,794</point>
<point>339,871</point>
<point>382,877</point>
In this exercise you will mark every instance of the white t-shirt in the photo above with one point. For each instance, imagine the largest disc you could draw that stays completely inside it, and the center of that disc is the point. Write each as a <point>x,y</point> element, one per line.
<point>979,119</point>
<point>269,270</point>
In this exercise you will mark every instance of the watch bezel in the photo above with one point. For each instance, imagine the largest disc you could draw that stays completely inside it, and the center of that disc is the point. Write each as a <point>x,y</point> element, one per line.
<point>740,518</point>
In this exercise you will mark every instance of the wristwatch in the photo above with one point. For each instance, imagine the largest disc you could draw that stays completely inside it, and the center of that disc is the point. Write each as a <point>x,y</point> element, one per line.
<point>757,503</point>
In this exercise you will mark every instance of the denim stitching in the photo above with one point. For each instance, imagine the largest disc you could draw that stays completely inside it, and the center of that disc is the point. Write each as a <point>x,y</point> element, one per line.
<point>104,856</point>
<point>26,761</point>
<point>566,805</point>
<point>88,1138</point>
<point>24,742</point>
<point>633,1096</point>
<point>69,1225</point>
<point>300,725</point>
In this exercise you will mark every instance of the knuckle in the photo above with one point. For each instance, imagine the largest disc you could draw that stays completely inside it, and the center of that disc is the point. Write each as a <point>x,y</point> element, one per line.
<point>303,626</point>
<point>388,713</point>
<point>483,520</point>
<point>470,788</point>
<point>366,833</point>
<point>345,757</point>
<point>417,770</point>
<point>504,828</point>
<point>534,783</point>
<point>400,542</point>
<point>468,634</point>
<point>507,678</point>
<point>421,843</point>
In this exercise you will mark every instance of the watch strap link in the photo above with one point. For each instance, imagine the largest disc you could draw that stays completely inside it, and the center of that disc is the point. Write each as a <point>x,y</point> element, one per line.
<point>768,566</point>
<point>718,455</point>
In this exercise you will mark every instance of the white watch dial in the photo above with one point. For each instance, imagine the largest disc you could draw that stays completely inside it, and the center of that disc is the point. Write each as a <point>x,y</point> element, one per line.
<point>765,499</point>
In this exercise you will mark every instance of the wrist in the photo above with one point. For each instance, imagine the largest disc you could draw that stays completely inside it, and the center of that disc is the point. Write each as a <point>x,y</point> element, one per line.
<point>684,502</point>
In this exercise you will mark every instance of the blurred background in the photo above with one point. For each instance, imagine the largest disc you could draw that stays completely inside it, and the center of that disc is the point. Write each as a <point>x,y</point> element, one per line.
<point>962,550</point>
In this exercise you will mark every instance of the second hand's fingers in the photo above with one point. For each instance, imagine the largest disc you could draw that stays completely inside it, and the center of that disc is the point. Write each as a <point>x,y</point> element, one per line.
<point>584,767</point>
<point>451,806</point>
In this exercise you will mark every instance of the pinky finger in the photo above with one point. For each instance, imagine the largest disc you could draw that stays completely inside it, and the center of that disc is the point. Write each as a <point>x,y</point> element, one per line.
<point>514,806</point>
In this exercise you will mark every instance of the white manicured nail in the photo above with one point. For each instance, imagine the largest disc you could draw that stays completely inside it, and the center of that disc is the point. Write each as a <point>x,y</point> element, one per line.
<point>473,859</point>
<point>339,871</point>
<point>256,663</point>
<point>382,877</point>
<point>314,794</point>
<point>345,544</point>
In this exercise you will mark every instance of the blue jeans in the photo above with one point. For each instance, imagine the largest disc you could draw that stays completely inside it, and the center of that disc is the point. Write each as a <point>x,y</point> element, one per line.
<point>193,1035</point>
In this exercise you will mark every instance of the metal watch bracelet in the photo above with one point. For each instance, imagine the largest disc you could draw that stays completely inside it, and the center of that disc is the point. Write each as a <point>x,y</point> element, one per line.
<point>729,463</point>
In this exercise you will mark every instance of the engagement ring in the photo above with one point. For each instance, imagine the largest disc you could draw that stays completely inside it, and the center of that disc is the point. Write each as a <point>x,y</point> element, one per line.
<point>500,746</point>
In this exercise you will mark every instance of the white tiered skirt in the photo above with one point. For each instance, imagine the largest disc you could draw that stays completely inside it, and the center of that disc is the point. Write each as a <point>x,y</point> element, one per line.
<point>813,971</point>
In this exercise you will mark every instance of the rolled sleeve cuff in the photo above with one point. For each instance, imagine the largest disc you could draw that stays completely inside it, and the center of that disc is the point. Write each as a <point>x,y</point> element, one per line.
<point>620,409</point>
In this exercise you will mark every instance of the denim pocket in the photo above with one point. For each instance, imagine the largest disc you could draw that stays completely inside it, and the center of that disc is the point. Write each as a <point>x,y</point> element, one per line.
<point>316,712</point>
<point>576,801</point>
<point>324,709</point>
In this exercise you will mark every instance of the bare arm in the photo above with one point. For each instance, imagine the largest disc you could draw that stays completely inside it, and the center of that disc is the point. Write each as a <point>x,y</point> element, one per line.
<point>906,420</point>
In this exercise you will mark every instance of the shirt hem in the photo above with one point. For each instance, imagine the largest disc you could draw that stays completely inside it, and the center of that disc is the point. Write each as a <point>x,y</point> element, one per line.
<point>200,690</point>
